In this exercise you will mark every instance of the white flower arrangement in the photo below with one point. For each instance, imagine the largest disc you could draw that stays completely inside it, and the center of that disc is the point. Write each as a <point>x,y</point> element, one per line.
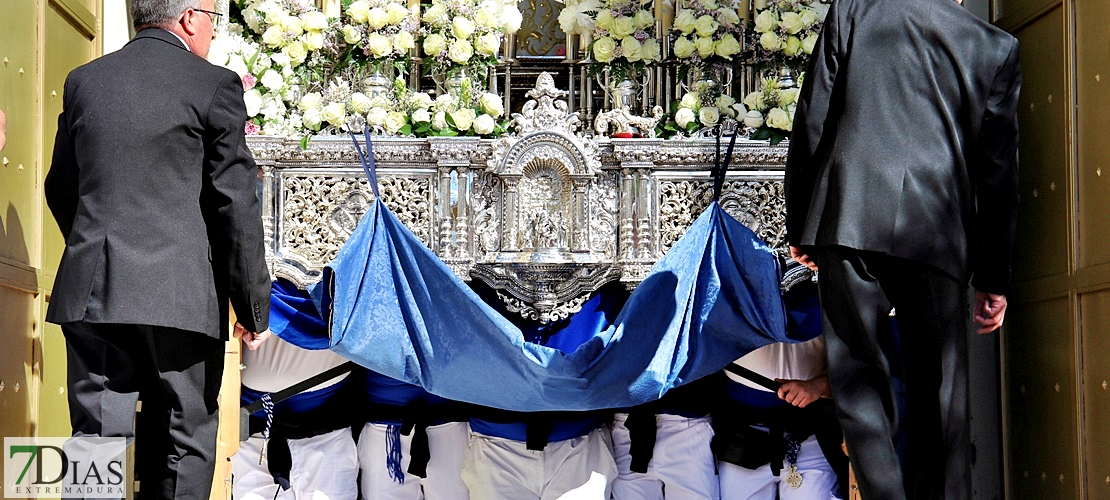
<point>578,18</point>
<point>702,109</point>
<point>379,30</point>
<point>708,32</point>
<point>786,32</point>
<point>466,33</point>
<point>769,112</point>
<point>295,28</point>
<point>466,112</point>
<point>624,38</point>
<point>270,83</point>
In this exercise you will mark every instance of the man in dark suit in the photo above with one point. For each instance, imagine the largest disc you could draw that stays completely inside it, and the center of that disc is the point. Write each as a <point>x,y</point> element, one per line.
<point>154,189</point>
<point>901,184</point>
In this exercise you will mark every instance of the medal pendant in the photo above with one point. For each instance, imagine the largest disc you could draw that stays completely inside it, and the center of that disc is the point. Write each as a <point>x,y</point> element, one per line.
<point>793,477</point>
<point>262,452</point>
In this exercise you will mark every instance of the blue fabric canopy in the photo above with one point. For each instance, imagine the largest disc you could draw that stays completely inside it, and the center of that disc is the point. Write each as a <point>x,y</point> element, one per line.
<point>395,308</point>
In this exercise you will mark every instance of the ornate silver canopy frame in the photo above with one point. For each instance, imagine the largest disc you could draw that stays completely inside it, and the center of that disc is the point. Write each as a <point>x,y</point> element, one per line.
<point>545,215</point>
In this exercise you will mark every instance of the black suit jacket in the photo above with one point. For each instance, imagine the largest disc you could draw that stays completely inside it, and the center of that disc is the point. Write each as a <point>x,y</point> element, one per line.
<point>155,192</point>
<point>905,138</point>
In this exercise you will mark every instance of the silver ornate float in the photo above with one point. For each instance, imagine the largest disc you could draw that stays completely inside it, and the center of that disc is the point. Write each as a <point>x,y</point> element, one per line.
<point>545,215</point>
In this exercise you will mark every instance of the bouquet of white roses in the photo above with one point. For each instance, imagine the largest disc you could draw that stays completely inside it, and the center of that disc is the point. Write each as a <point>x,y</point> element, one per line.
<point>295,28</point>
<point>770,111</point>
<point>578,18</point>
<point>379,30</point>
<point>624,38</point>
<point>467,33</point>
<point>785,33</point>
<point>270,83</point>
<point>465,112</point>
<point>709,32</point>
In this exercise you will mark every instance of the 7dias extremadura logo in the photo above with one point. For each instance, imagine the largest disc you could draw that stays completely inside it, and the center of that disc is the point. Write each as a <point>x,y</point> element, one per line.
<point>64,467</point>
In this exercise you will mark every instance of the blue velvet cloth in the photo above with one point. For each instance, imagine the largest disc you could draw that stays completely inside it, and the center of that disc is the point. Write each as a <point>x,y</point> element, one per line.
<point>294,317</point>
<point>395,308</point>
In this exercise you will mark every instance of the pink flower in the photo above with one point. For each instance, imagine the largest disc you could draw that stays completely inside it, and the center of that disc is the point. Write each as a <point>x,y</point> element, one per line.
<point>249,81</point>
<point>251,128</point>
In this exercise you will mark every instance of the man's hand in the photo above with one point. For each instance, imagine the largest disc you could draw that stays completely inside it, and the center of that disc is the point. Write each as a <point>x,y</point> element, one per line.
<point>801,393</point>
<point>990,310</point>
<point>802,258</point>
<point>251,339</point>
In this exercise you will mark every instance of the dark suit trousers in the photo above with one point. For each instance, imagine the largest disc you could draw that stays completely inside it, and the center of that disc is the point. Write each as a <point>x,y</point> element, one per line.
<point>177,376</point>
<point>857,292</point>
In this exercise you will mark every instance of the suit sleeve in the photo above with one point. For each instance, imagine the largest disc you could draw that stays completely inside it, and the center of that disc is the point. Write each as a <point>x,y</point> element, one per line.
<point>60,186</point>
<point>810,124</point>
<point>231,207</point>
<point>995,176</point>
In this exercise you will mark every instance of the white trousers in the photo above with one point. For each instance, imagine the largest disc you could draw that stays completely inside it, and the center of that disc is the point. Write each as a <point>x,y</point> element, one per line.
<point>447,445</point>
<point>682,464</point>
<point>324,467</point>
<point>503,469</point>
<point>818,478</point>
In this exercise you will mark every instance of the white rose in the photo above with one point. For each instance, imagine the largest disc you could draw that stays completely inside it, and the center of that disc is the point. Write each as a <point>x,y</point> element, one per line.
<point>313,40</point>
<point>335,113</point>
<point>788,97</point>
<point>291,25</point>
<point>463,118</point>
<point>376,116</point>
<point>272,80</point>
<point>603,49</point>
<point>311,100</point>
<point>377,18</point>
<point>253,99</point>
<point>792,46</point>
<point>709,115</point>
<point>511,19</point>
<point>808,43</point>
<point>395,13</point>
<point>492,104</point>
<point>728,16</point>
<point>766,22</point>
<point>351,35</point>
<point>683,47</point>
<point>770,42</point>
<point>706,26</point>
<point>739,109</point>
<point>435,15</point>
<point>394,120</point>
<point>623,27</point>
<point>791,22</point>
<point>484,125</point>
<point>296,52</point>
<point>439,121</point>
<point>403,41</point>
<point>684,116</point>
<point>462,27</point>
<point>642,19</point>
<point>778,118</point>
<point>650,50</point>
<point>728,46</point>
<point>422,100</point>
<point>753,119</point>
<point>690,100</point>
<point>314,21</point>
<point>809,17</point>
<point>488,43</point>
<point>685,21</point>
<point>217,53</point>
<point>359,11</point>
<point>604,19</point>
<point>273,36</point>
<point>434,44</point>
<point>706,47</point>
<point>360,103</point>
<point>488,18</point>
<point>312,119</point>
<point>272,107</point>
<point>379,45</point>
<point>725,101</point>
<point>755,100</point>
<point>630,49</point>
<point>460,51</point>
<point>421,115</point>
<point>444,102</point>
<point>280,59</point>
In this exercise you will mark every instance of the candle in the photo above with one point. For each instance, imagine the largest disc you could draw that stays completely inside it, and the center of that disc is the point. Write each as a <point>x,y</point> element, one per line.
<point>744,10</point>
<point>760,4</point>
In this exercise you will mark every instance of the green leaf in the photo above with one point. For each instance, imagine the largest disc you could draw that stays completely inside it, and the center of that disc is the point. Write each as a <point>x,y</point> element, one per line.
<point>406,130</point>
<point>304,142</point>
<point>762,133</point>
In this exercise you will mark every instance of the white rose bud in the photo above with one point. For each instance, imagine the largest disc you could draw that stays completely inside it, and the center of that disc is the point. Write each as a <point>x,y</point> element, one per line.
<point>728,16</point>
<point>753,119</point>
<point>484,125</point>
<point>253,99</point>
<point>439,121</point>
<point>728,46</point>
<point>463,119</point>
<point>460,51</point>
<point>792,46</point>
<point>604,19</point>
<point>709,115</point>
<point>492,104</point>
<point>462,27</point>
<point>335,114</point>
<point>394,120</point>
<point>788,97</point>
<point>421,116</point>
<point>434,44</point>
<point>809,17</point>
<point>684,116</point>
<point>739,109</point>
<point>725,101</point>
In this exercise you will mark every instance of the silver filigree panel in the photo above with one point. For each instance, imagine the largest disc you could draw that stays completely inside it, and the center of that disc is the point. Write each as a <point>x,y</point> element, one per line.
<point>759,205</point>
